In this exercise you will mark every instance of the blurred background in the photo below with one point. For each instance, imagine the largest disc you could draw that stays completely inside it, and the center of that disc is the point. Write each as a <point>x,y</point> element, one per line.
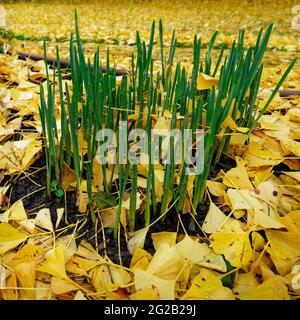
<point>114,23</point>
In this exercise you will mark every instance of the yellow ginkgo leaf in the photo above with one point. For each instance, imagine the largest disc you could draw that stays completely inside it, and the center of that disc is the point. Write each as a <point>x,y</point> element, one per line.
<point>108,217</point>
<point>140,259</point>
<point>159,174</point>
<point>233,225</point>
<point>234,246</point>
<point>82,263</point>
<point>107,277</point>
<point>166,263</point>
<point>207,286</point>
<point>145,280</point>
<point>59,212</point>
<point>258,156</point>
<point>244,282</point>
<point>54,263</point>
<point>237,178</point>
<point>28,253</point>
<point>230,123</point>
<point>241,199</point>
<point>271,289</point>
<point>25,273</point>
<point>75,266</point>
<point>145,294</point>
<point>68,242</point>
<point>269,192</point>
<point>28,225</point>
<point>215,188</point>
<point>289,185</point>
<point>10,282</point>
<point>284,244</point>
<point>16,211</point>
<point>288,204</point>
<point>192,250</point>
<point>205,82</point>
<point>294,114</point>
<point>29,157</point>
<point>100,278</point>
<point>293,174</point>
<point>67,177</point>
<point>24,263</point>
<point>239,213</point>
<point>293,164</point>
<point>258,241</point>
<point>162,238</point>
<point>86,251</point>
<point>137,240</point>
<point>283,266</point>
<point>20,95</point>
<point>237,146</point>
<point>201,254</point>
<point>85,259</point>
<point>43,219</point>
<point>59,286</point>
<point>291,221</point>
<point>265,220</point>
<point>119,276</point>
<point>214,219</point>
<point>262,174</point>
<point>292,146</point>
<point>79,296</point>
<point>10,237</point>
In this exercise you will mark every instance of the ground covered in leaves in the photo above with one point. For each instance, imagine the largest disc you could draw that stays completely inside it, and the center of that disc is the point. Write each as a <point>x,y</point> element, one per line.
<point>245,244</point>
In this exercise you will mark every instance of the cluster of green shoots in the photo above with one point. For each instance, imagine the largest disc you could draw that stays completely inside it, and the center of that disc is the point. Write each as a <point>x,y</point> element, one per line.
<point>95,101</point>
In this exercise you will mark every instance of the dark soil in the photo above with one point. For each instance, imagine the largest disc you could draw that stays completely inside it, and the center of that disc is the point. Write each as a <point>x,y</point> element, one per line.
<point>22,186</point>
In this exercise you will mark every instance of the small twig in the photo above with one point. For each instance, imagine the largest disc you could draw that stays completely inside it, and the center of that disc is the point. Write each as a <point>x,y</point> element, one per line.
<point>65,63</point>
<point>288,93</point>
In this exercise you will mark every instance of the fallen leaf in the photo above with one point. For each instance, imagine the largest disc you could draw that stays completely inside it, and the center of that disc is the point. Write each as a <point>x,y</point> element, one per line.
<point>59,286</point>
<point>284,244</point>
<point>54,263</point>
<point>43,219</point>
<point>207,286</point>
<point>140,259</point>
<point>162,238</point>
<point>205,82</point>
<point>137,240</point>
<point>16,211</point>
<point>271,289</point>
<point>214,219</point>
<point>241,199</point>
<point>235,247</point>
<point>10,237</point>
<point>166,263</point>
<point>291,221</point>
<point>200,254</point>
<point>145,294</point>
<point>145,280</point>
